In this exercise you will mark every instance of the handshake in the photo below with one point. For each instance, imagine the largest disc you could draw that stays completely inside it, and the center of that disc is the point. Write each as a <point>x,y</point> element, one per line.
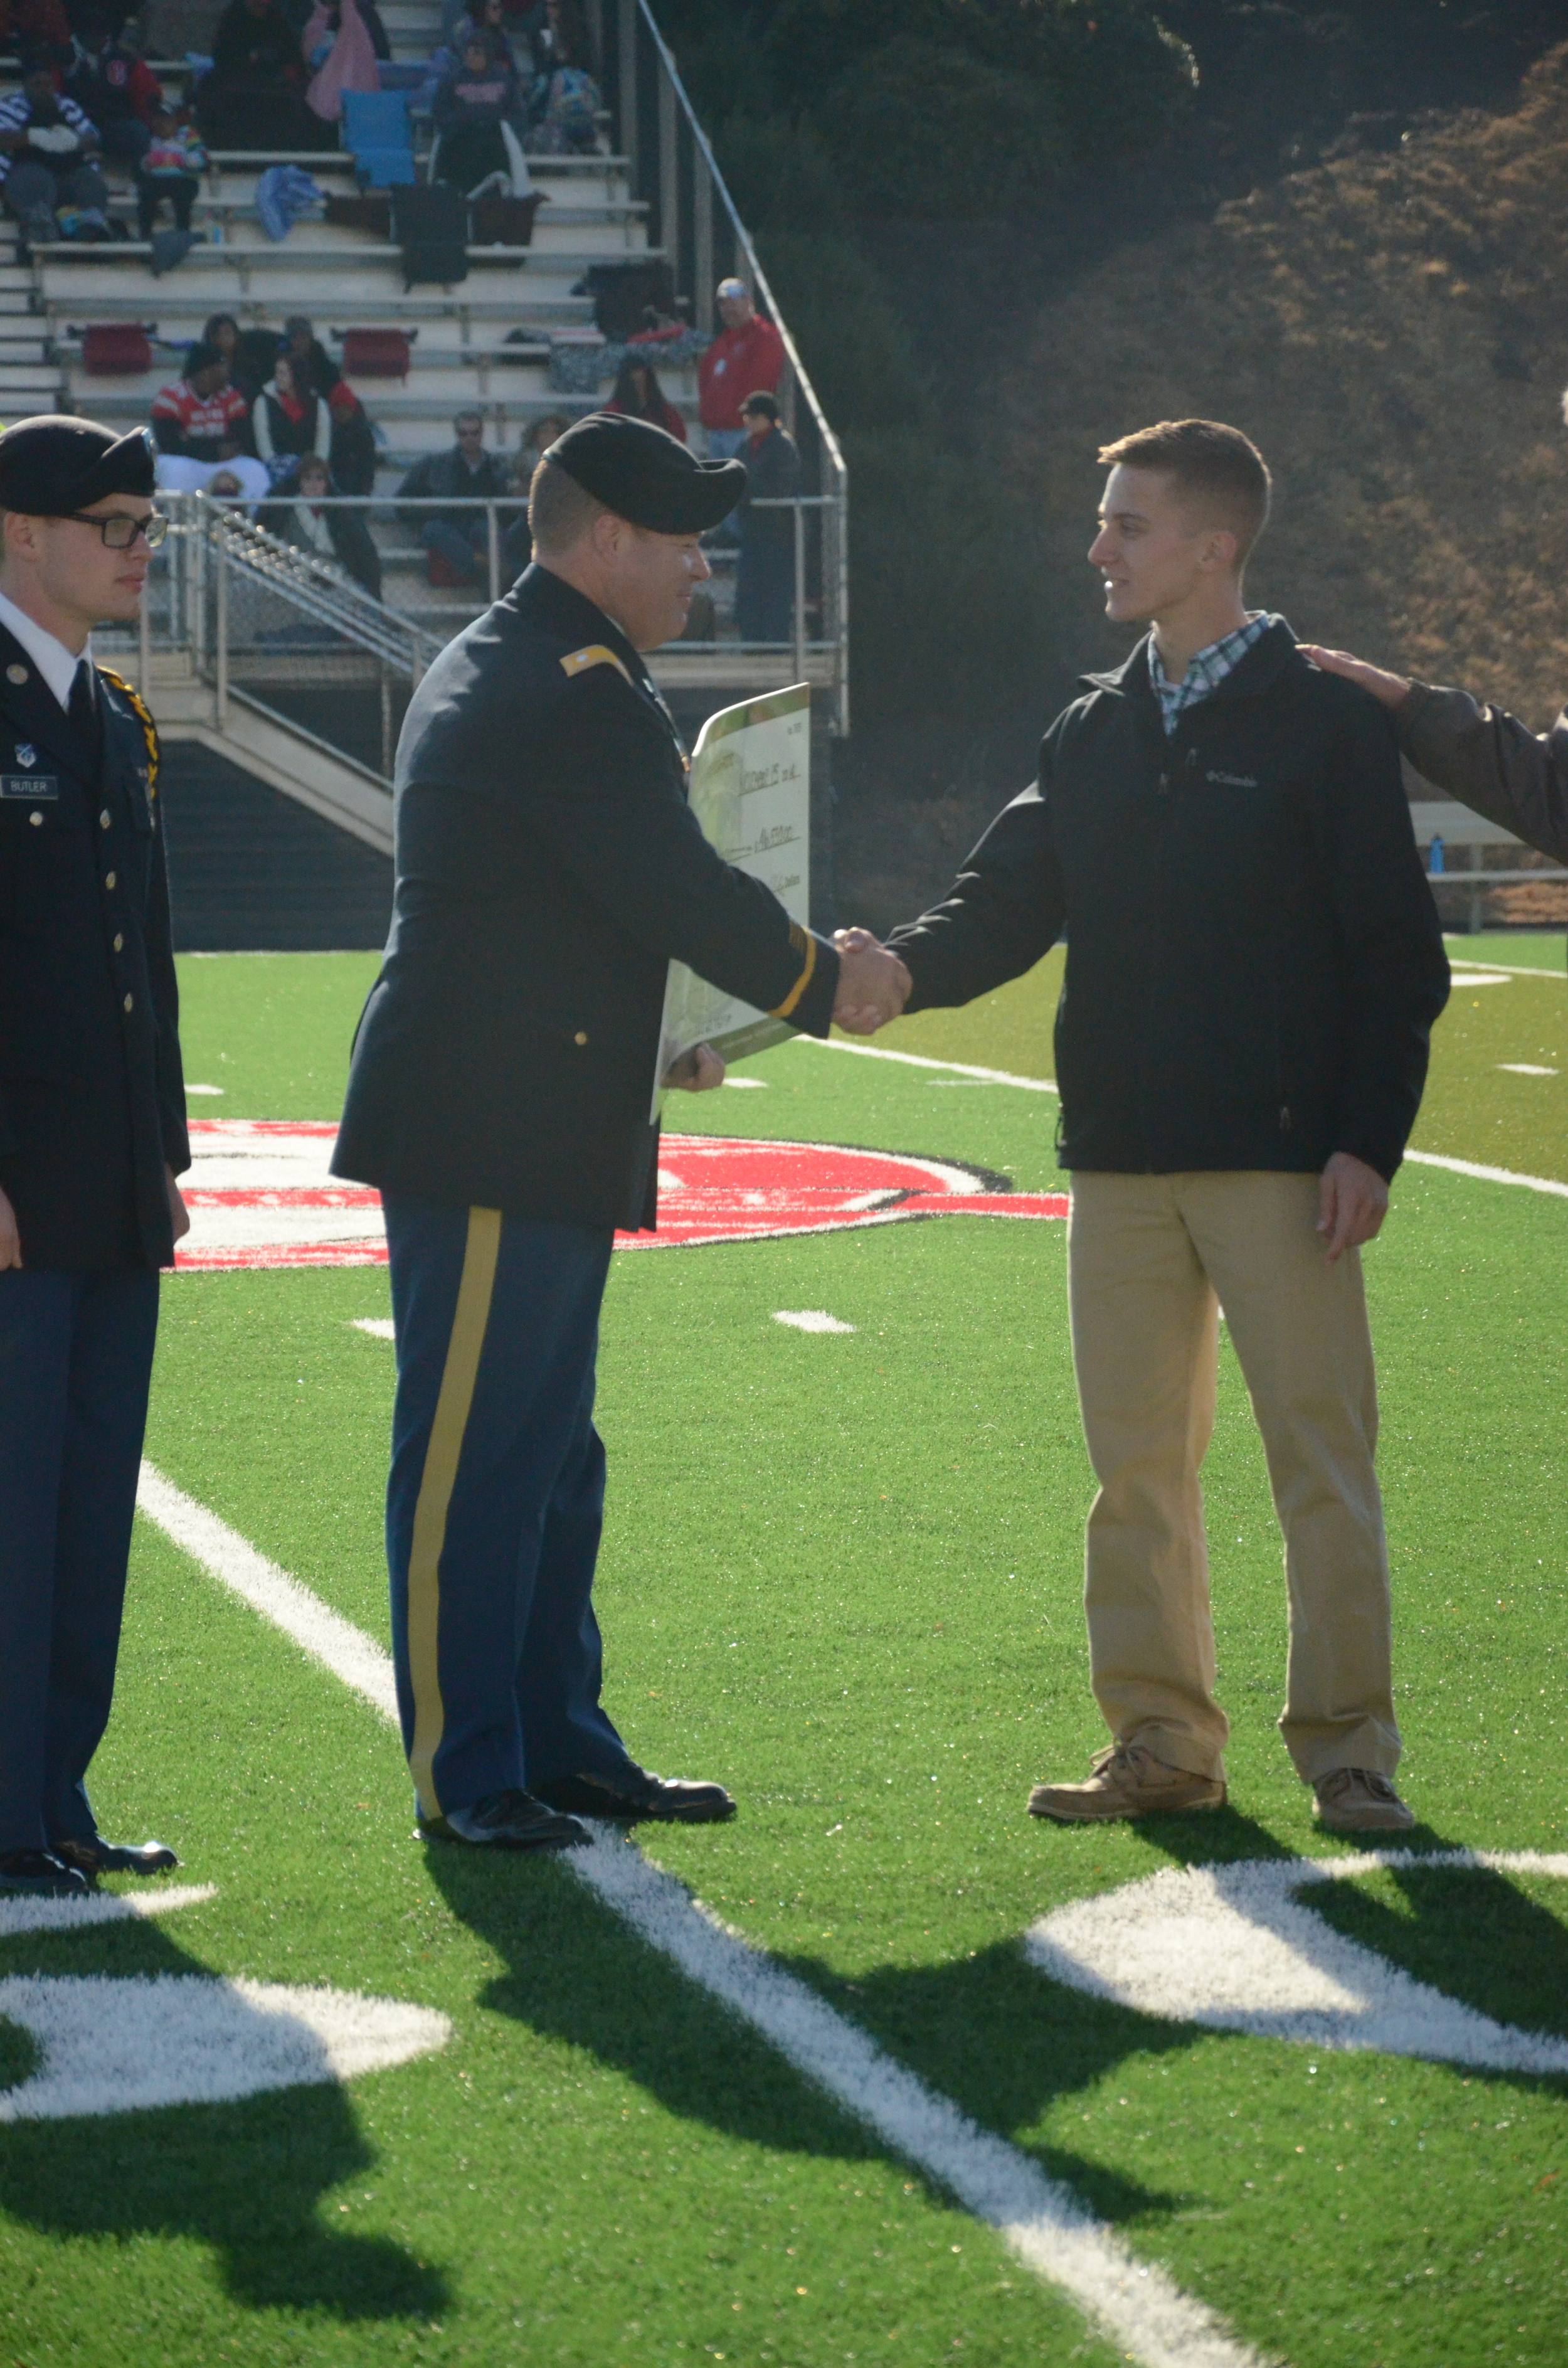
<point>873,985</point>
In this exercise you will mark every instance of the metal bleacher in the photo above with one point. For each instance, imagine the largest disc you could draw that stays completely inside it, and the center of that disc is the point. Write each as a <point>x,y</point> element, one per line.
<point>655,171</point>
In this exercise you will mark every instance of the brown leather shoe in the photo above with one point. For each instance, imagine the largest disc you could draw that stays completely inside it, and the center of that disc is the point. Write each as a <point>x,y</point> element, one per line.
<point>1359,1801</point>
<point>1127,1781</point>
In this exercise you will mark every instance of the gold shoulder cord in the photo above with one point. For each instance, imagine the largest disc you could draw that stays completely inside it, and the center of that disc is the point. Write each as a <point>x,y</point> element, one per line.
<point>143,717</point>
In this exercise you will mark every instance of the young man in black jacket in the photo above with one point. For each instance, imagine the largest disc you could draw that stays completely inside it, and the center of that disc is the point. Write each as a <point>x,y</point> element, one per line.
<point>1254,967</point>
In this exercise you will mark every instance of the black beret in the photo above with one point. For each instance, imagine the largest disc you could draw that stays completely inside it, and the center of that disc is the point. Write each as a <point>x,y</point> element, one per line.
<point>647,476</point>
<point>52,465</point>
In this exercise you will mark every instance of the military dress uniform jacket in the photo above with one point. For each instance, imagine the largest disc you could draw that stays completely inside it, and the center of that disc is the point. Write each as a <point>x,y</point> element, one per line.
<point>548,868</point>
<point>92,1100</point>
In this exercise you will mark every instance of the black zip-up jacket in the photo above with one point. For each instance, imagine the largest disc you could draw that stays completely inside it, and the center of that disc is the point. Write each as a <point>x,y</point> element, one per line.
<point>1254,958</point>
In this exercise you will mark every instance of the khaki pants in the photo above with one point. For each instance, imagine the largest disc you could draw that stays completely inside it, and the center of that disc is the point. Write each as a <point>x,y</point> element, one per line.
<point>1151,1260</point>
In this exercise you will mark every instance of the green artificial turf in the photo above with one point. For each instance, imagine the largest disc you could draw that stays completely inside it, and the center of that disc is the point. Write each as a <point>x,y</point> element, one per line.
<point>842,1572</point>
<point>1517,948</point>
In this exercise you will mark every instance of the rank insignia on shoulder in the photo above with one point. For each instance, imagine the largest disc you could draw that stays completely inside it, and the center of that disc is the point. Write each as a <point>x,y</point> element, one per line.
<point>26,753</point>
<point>596,655</point>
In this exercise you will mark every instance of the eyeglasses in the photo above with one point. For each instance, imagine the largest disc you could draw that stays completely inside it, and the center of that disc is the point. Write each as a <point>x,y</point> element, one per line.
<point>120,532</point>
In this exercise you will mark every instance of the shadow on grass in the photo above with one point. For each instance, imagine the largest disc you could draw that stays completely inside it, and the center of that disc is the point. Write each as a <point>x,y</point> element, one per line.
<point>575,1971</point>
<point>245,2178</point>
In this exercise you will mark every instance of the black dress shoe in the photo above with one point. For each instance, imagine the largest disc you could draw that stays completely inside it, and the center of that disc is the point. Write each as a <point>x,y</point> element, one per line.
<point>99,1857</point>
<point>510,1820</point>
<point>640,1793</point>
<point>40,1871</point>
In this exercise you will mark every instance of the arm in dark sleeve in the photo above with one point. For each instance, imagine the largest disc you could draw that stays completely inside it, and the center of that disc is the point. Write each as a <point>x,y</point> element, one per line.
<point>170,1072</point>
<point>599,796</point>
<point>1396,974</point>
<point>1003,912</point>
<point>1491,762</point>
<point>416,485</point>
<point>166,431</point>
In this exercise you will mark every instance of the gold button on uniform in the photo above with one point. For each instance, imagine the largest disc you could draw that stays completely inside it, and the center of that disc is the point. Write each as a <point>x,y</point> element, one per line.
<point>35,817</point>
<point>103,819</point>
<point>130,1003</point>
<point>109,879</point>
<point>15,674</point>
<point>118,942</point>
<point>581,1037</point>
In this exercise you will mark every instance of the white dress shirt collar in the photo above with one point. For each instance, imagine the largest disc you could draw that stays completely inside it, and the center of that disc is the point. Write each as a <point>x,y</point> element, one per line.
<point>55,662</point>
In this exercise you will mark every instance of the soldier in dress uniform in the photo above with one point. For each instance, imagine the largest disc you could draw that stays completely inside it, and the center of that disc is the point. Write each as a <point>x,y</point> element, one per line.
<point>92,1124</point>
<point>547,867</point>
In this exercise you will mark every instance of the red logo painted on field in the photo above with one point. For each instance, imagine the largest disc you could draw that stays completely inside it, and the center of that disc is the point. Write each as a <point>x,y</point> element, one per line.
<point>260,1195</point>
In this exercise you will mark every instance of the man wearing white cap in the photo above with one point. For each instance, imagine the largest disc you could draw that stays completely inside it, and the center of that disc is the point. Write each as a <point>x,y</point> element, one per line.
<point>745,357</point>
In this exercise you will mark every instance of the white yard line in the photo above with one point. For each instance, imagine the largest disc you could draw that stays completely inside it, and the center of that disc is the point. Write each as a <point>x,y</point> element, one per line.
<point>1488,1175</point>
<point>1136,2302</point>
<point>335,1642</point>
<point>924,1061</point>
<point>1047,1086</point>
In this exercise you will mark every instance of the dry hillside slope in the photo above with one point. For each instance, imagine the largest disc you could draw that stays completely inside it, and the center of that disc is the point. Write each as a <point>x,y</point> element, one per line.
<point>1394,331</point>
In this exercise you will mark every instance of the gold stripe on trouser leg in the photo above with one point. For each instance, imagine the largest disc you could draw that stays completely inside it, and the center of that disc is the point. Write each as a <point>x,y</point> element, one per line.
<point>436,1482</point>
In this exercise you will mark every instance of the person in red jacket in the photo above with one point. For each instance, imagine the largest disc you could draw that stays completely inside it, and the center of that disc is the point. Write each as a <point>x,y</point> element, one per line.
<point>745,357</point>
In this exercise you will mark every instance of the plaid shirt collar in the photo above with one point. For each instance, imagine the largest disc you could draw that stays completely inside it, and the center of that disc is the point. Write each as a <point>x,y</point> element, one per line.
<point>1205,672</point>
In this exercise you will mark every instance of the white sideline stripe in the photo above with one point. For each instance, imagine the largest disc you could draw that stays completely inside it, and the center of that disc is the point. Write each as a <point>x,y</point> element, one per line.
<point>380,1328</point>
<point>32,1912</point>
<point>335,1642</point>
<point>1488,1175</point>
<point>924,1061</point>
<point>810,1319</point>
<point>1040,2220</point>
<point>1527,1068</point>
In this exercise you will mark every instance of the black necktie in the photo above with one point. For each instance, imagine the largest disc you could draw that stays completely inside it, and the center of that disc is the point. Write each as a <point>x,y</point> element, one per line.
<point>83,707</point>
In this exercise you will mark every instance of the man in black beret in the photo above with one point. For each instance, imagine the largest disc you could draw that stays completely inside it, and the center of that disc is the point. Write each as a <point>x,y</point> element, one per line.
<point>92,1124</point>
<point>549,868</point>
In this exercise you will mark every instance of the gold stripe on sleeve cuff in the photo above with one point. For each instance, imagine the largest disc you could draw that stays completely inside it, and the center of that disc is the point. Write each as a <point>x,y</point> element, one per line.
<point>785,1010</point>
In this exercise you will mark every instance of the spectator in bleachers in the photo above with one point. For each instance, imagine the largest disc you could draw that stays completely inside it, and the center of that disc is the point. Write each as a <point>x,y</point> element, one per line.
<point>28,26</point>
<point>172,169</point>
<point>479,20</point>
<point>559,35</point>
<point>565,100</point>
<point>472,105</point>
<point>311,361</point>
<point>517,543</point>
<point>351,453</point>
<point>201,424</point>
<point>288,420</point>
<point>115,90</point>
<point>745,357</point>
<point>639,395</point>
<point>765,573</point>
<point>340,537</point>
<point>49,163</point>
<point>255,96</point>
<point>250,353</point>
<point>457,541</point>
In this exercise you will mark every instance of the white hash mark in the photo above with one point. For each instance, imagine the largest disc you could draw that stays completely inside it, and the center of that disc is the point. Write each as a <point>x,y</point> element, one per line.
<point>810,1319</point>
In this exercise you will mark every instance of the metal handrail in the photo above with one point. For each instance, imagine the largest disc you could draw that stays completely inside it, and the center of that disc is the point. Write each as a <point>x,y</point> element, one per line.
<point>832,451</point>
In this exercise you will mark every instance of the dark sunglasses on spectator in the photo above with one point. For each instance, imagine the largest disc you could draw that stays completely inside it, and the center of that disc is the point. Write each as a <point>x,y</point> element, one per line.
<point>119,532</point>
